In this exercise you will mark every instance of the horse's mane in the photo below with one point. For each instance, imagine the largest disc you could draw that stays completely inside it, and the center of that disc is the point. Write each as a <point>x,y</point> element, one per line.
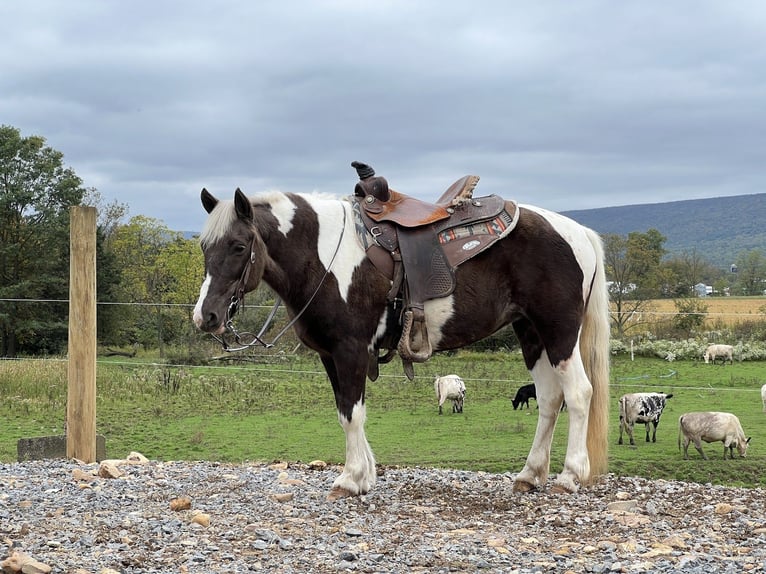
<point>218,222</point>
<point>223,215</point>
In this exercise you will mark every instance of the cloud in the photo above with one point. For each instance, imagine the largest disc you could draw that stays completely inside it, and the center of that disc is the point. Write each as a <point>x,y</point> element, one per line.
<point>566,105</point>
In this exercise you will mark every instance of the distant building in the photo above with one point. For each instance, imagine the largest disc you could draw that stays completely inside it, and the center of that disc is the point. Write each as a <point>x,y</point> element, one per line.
<point>702,290</point>
<point>733,268</point>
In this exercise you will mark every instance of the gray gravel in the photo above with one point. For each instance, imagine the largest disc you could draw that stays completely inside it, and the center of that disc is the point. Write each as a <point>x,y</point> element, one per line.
<point>276,518</point>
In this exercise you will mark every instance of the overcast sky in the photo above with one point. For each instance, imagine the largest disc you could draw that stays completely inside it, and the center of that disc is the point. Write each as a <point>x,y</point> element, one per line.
<point>562,104</point>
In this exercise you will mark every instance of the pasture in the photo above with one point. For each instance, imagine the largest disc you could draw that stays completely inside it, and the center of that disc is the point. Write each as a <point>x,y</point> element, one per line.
<point>281,408</point>
<point>723,311</point>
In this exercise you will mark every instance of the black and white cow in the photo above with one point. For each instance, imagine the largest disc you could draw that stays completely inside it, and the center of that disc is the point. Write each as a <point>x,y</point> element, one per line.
<point>641,408</point>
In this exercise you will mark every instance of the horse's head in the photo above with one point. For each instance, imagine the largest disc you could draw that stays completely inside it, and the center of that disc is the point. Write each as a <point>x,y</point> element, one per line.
<point>234,260</point>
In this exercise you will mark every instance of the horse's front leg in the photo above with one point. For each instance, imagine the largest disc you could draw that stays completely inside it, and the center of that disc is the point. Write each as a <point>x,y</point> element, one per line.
<point>348,382</point>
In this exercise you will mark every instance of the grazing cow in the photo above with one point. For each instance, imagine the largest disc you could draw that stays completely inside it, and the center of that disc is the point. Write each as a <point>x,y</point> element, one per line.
<point>715,352</point>
<point>763,397</point>
<point>712,427</point>
<point>641,408</point>
<point>523,395</point>
<point>450,387</point>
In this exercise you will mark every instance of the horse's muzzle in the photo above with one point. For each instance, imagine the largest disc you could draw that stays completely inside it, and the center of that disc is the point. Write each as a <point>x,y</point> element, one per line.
<point>209,323</point>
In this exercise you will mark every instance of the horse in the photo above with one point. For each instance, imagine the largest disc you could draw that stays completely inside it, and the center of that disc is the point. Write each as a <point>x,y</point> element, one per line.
<point>546,278</point>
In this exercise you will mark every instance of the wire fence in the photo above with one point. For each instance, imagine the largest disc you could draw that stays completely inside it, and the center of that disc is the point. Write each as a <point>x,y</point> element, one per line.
<point>276,360</point>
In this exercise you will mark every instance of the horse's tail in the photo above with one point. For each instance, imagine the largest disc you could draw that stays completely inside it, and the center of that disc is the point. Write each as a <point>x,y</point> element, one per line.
<point>594,348</point>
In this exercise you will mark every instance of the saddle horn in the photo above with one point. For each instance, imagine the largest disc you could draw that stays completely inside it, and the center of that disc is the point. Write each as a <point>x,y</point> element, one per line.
<point>369,184</point>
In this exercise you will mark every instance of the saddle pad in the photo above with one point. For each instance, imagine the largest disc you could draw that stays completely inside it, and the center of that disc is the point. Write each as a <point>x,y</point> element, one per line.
<point>463,241</point>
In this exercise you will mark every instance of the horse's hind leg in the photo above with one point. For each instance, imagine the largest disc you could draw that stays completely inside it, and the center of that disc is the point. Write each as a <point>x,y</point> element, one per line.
<point>577,394</point>
<point>565,382</point>
<point>549,399</point>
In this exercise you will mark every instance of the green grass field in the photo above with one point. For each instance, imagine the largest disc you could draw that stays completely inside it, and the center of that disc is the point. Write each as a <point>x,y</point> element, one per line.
<point>283,409</point>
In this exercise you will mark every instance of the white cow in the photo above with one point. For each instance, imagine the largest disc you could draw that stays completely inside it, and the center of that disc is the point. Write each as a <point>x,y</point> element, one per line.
<point>763,397</point>
<point>723,352</point>
<point>450,387</point>
<point>712,427</point>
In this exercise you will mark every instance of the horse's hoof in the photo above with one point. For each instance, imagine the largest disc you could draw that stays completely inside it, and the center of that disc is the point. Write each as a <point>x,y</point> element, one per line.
<point>523,487</point>
<point>561,489</point>
<point>338,492</point>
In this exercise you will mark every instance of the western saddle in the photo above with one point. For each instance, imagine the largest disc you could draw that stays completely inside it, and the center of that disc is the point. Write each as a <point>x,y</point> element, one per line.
<point>418,245</point>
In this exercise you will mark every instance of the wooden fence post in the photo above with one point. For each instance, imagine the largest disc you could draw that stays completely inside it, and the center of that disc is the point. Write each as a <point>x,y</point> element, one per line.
<point>81,390</point>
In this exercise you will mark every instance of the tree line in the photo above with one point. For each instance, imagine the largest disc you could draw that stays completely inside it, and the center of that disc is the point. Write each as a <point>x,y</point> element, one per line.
<point>151,274</point>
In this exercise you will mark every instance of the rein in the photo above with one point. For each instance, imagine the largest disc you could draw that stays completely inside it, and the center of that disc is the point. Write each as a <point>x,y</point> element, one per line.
<point>238,299</point>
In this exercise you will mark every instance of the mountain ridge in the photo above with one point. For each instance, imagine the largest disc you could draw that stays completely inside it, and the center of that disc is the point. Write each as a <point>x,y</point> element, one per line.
<point>719,228</point>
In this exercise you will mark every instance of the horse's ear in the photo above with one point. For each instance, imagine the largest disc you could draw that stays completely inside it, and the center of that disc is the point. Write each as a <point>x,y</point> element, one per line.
<point>208,201</point>
<point>243,206</point>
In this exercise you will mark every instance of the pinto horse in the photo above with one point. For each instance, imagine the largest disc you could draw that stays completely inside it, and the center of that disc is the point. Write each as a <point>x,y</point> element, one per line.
<point>546,278</point>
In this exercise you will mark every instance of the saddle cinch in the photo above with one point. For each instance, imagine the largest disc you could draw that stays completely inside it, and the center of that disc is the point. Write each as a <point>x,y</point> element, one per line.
<point>419,245</point>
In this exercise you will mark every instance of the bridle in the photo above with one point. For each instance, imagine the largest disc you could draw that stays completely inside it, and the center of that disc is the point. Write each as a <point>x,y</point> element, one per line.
<point>238,300</point>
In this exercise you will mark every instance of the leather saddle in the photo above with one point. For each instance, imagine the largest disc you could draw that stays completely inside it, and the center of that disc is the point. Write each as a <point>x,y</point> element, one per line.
<point>418,245</point>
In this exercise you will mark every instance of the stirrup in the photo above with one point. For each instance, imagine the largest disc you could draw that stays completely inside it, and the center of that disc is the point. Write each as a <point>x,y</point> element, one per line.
<point>414,344</point>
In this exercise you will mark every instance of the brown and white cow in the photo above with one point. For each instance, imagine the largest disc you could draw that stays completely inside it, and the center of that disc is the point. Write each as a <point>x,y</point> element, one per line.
<point>450,387</point>
<point>712,427</point>
<point>641,408</point>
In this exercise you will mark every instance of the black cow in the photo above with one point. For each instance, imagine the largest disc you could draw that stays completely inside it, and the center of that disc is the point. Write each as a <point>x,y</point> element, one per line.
<point>523,395</point>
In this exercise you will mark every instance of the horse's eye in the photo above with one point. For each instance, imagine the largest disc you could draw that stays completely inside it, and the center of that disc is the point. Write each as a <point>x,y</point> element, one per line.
<point>239,248</point>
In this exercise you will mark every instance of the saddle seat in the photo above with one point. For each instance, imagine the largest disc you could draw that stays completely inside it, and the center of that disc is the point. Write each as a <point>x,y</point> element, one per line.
<point>408,211</point>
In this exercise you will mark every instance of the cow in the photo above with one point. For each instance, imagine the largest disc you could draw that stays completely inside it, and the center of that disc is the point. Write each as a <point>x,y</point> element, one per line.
<point>529,392</point>
<point>763,397</point>
<point>641,408</point>
<point>712,427</point>
<point>715,352</point>
<point>450,387</point>
<point>523,395</point>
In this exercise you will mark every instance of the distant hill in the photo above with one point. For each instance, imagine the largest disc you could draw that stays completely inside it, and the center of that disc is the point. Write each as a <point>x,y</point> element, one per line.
<point>719,228</point>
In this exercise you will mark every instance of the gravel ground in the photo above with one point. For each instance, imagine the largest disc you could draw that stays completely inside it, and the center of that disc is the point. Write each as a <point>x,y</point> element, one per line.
<point>276,518</point>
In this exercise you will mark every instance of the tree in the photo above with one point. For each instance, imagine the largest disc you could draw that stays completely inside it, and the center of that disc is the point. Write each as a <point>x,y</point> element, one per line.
<point>159,269</point>
<point>751,271</point>
<point>36,191</point>
<point>109,219</point>
<point>687,270</point>
<point>632,266</point>
<point>645,252</point>
<point>692,312</point>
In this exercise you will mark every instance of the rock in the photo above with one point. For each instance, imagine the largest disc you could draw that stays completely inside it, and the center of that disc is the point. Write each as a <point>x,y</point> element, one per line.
<point>80,475</point>
<point>282,496</point>
<point>317,465</point>
<point>136,458</point>
<point>20,562</point>
<point>201,518</point>
<point>108,469</point>
<point>622,506</point>
<point>180,503</point>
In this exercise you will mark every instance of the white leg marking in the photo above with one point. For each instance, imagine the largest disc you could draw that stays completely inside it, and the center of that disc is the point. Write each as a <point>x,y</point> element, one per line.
<point>537,467</point>
<point>358,475</point>
<point>569,382</point>
<point>197,316</point>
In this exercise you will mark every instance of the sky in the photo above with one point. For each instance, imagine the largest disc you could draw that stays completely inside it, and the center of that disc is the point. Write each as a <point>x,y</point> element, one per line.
<point>561,104</point>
